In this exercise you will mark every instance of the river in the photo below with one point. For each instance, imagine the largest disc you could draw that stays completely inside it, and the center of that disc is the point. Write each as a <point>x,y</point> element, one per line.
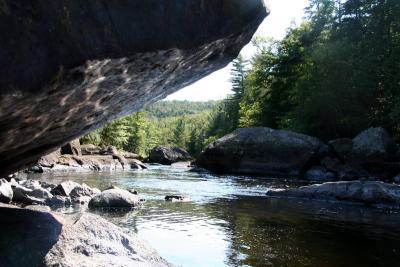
<point>229,222</point>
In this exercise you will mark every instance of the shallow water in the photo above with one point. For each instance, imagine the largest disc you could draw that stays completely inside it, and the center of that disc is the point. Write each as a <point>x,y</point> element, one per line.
<point>229,222</point>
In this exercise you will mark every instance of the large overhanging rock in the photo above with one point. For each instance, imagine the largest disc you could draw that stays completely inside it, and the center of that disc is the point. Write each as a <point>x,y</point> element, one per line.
<point>69,66</point>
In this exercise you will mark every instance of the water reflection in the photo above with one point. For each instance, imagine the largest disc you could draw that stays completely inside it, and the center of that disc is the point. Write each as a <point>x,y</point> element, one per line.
<point>229,222</point>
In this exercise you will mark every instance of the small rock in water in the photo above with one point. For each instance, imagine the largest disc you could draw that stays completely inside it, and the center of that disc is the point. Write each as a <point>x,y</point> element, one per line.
<point>58,202</point>
<point>173,198</point>
<point>65,188</point>
<point>133,191</point>
<point>115,198</point>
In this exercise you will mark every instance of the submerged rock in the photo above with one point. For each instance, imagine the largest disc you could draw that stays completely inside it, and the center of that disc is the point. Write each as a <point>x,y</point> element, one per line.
<point>167,155</point>
<point>368,192</point>
<point>262,151</point>
<point>6,192</point>
<point>94,62</point>
<point>174,198</point>
<point>115,198</point>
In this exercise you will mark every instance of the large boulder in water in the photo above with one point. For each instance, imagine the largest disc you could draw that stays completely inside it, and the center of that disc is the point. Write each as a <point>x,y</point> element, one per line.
<point>167,155</point>
<point>262,151</point>
<point>68,67</point>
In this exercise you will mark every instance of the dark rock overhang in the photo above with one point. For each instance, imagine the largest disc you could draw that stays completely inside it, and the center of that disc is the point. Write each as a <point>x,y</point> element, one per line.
<point>69,66</point>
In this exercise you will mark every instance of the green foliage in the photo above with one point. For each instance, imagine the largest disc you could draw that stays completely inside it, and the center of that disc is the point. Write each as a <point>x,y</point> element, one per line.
<point>158,125</point>
<point>332,76</point>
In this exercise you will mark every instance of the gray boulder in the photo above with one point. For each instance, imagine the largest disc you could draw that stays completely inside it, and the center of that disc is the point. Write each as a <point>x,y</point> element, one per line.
<point>262,151</point>
<point>372,145</point>
<point>57,202</point>
<point>368,192</point>
<point>89,149</point>
<point>65,188</point>
<point>42,238</point>
<point>83,190</point>
<point>6,192</point>
<point>37,195</point>
<point>72,148</point>
<point>115,198</point>
<point>92,241</point>
<point>167,155</point>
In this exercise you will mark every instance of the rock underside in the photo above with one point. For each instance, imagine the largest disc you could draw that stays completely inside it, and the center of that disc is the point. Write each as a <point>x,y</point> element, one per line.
<point>70,66</point>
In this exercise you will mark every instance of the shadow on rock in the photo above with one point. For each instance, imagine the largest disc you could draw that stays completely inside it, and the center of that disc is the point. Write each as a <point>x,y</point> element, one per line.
<point>26,236</point>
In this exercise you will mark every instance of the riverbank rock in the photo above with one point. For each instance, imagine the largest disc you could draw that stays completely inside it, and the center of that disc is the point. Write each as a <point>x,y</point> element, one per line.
<point>72,148</point>
<point>41,238</point>
<point>115,198</point>
<point>6,192</point>
<point>371,145</point>
<point>367,192</point>
<point>95,62</point>
<point>262,151</point>
<point>106,161</point>
<point>167,155</point>
<point>36,195</point>
<point>89,149</point>
<point>65,188</point>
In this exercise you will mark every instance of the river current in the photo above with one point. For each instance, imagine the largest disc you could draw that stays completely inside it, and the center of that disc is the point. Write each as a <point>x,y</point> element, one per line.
<point>228,221</point>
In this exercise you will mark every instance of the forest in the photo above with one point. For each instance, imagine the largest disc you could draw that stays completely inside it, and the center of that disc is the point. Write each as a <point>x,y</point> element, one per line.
<point>333,76</point>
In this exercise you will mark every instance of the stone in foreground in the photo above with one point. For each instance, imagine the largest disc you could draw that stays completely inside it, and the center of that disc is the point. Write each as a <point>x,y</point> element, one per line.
<point>367,192</point>
<point>94,61</point>
<point>262,151</point>
<point>115,198</point>
<point>41,238</point>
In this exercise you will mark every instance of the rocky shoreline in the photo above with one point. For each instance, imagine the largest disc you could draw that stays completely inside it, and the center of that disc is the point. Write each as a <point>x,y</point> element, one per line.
<point>74,157</point>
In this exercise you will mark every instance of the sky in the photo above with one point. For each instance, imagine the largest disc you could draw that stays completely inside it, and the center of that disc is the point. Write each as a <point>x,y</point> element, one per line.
<point>217,86</point>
